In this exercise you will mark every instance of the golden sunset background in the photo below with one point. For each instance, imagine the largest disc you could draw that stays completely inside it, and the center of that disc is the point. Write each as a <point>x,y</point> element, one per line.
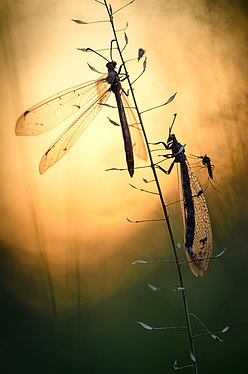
<point>70,294</point>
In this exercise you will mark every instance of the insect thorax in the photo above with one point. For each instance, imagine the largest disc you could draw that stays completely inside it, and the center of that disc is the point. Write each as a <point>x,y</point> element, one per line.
<point>176,149</point>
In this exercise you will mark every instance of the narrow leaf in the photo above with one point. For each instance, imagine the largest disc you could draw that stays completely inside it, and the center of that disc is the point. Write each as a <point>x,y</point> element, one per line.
<point>225,329</point>
<point>170,99</point>
<point>221,253</point>
<point>126,38</point>
<point>113,122</point>
<point>110,10</point>
<point>131,220</point>
<point>83,49</point>
<point>108,105</point>
<point>145,326</point>
<point>131,185</point>
<point>139,262</point>
<point>141,52</point>
<point>93,69</point>
<point>192,356</point>
<point>175,366</point>
<point>111,169</point>
<point>215,337</point>
<point>153,288</point>
<point>79,21</point>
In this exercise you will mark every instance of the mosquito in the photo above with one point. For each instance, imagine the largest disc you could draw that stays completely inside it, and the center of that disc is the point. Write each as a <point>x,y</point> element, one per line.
<point>83,102</point>
<point>196,221</point>
<point>206,161</point>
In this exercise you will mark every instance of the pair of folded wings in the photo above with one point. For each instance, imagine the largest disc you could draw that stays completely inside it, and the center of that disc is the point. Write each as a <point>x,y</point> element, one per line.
<point>83,102</point>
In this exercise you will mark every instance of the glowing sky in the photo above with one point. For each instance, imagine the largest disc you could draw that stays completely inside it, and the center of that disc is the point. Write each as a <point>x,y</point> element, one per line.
<point>73,216</point>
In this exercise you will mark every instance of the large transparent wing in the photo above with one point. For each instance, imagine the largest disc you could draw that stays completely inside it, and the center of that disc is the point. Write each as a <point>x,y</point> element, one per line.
<point>203,241</point>
<point>51,112</point>
<point>137,138</point>
<point>66,140</point>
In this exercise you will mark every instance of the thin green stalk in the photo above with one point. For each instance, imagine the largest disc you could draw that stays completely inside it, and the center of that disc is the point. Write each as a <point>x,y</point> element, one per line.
<point>153,167</point>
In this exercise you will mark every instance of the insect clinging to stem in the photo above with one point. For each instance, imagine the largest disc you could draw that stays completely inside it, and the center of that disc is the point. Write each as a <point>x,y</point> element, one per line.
<point>198,240</point>
<point>84,101</point>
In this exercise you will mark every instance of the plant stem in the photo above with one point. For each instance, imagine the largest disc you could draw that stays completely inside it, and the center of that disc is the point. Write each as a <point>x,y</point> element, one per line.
<point>166,216</point>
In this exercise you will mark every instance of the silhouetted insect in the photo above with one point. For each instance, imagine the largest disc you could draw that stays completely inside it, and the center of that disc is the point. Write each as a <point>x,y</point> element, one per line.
<point>206,161</point>
<point>196,220</point>
<point>86,99</point>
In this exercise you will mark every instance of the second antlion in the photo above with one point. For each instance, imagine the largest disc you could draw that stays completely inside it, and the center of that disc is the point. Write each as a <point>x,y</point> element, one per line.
<point>198,239</point>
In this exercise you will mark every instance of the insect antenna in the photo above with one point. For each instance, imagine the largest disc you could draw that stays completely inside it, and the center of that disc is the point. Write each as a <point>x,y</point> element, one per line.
<point>94,51</point>
<point>170,128</point>
<point>111,49</point>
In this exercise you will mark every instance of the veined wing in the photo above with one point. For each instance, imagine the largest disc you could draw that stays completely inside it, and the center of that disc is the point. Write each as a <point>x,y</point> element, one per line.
<point>51,112</point>
<point>202,244</point>
<point>66,140</point>
<point>138,143</point>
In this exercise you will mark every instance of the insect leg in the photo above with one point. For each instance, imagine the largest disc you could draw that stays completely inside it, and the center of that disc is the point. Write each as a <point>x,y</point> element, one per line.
<point>167,172</point>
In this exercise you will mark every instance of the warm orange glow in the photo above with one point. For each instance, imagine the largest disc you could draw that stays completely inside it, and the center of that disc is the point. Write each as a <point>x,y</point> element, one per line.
<point>72,218</point>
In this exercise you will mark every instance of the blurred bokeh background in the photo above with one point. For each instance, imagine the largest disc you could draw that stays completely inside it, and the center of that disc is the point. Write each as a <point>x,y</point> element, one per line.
<point>70,296</point>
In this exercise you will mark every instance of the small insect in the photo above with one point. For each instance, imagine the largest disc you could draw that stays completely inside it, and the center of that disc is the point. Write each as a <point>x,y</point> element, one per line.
<point>206,161</point>
<point>196,221</point>
<point>86,99</point>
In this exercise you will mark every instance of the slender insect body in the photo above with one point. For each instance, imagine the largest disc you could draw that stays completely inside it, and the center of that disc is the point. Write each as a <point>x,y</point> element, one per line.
<point>206,161</point>
<point>187,194</point>
<point>114,80</point>
<point>189,209</point>
<point>196,220</point>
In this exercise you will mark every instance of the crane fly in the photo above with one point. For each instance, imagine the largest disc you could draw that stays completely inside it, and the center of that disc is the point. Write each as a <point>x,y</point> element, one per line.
<point>84,102</point>
<point>196,221</point>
